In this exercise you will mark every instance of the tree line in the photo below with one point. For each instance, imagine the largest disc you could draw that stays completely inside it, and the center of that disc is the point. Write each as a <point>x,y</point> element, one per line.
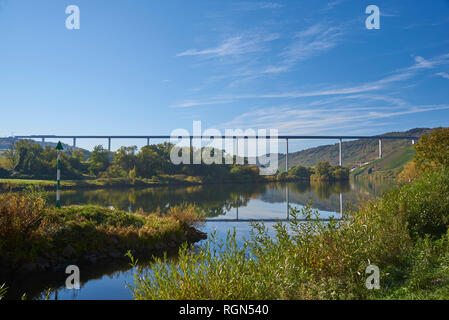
<point>27,159</point>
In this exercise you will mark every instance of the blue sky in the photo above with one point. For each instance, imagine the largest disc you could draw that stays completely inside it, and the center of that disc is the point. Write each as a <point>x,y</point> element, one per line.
<point>148,67</point>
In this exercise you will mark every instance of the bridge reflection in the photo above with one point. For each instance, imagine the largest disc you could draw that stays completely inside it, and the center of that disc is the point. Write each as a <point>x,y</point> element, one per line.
<point>287,217</point>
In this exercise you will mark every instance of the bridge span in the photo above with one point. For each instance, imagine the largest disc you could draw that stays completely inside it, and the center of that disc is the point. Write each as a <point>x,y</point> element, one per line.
<point>237,137</point>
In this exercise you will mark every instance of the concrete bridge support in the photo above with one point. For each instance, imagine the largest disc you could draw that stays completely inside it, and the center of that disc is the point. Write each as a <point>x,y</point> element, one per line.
<point>380,148</point>
<point>286,156</point>
<point>109,144</point>
<point>148,142</point>
<point>340,159</point>
<point>74,142</point>
<point>43,142</point>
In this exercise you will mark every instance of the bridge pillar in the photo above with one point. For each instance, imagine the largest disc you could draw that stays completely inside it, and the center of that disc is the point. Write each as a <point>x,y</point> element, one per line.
<point>340,159</point>
<point>109,144</point>
<point>286,156</point>
<point>148,142</point>
<point>191,149</point>
<point>380,148</point>
<point>74,142</point>
<point>43,142</point>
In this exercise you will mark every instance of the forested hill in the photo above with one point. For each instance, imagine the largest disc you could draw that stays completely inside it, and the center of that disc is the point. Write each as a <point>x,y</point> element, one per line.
<point>5,143</point>
<point>354,152</point>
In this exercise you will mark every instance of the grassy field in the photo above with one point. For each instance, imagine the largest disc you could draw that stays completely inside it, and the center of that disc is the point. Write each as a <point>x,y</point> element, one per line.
<point>20,184</point>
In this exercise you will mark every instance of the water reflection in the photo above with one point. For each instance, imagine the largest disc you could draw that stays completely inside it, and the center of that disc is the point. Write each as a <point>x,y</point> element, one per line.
<point>227,207</point>
<point>222,200</point>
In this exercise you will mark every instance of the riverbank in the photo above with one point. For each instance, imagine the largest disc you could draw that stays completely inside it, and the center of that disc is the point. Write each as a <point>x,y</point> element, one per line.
<point>37,238</point>
<point>405,234</point>
<point>101,183</point>
<point>163,180</point>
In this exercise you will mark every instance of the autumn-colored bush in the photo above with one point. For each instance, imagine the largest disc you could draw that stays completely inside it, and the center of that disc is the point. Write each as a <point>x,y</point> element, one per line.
<point>432,150</point>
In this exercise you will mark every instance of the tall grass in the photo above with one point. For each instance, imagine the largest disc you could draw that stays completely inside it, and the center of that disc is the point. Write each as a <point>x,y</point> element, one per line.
<point>316,259</point>
<point>186,214</point>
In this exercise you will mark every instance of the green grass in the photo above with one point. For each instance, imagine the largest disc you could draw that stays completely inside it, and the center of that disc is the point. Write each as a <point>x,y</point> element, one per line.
<point>20,184</point>
<point>405,234</point>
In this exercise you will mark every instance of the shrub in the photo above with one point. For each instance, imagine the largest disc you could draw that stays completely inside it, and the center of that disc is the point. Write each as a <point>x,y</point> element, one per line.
<point>20,213</point>
<point>425,204</point>
<point>432,150</point>
<point>186,214</point>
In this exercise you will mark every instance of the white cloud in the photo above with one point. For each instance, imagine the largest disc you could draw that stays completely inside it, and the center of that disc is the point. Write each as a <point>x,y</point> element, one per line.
<point>250,6</point>
<point>310,42</point>
<point>234,46</point>
<point>443,74</point>
<point>301,119</point>
<point>196,103</point>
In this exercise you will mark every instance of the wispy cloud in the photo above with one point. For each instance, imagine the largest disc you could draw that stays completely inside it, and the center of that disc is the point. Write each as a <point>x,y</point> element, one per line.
<point>246,43</point>
<point>445,75</point>
<point>310,42</point>
<point>399,75</point>
<point>196,103</point>
<point>251,6</point>
<point>301,119</point>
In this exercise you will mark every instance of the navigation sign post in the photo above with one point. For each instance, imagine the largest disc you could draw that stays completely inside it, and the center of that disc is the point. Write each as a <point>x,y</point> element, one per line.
<point>58,175</point>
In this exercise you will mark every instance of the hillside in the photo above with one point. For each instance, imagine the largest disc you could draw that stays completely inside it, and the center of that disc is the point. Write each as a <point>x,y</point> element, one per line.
<point>390,165</point>
<point>358,152</point>
<point>5,143</point>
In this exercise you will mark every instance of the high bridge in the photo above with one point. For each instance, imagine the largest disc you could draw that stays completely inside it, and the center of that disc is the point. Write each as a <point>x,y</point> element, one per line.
<point>340,139</point>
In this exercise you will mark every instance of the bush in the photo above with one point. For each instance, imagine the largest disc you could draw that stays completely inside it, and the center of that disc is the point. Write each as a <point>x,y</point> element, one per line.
<point>425,204</point>
<point>20,214</point>
<point>186,214</point>
<point>432,150</point>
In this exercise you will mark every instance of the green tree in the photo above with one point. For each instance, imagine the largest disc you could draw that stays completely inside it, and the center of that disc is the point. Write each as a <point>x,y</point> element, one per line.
<point>323,169</point>
<point>125,158</point>
<point>12,156</point>
<point>99,160</point>
<point>132,175</point>
<point>149,162</point>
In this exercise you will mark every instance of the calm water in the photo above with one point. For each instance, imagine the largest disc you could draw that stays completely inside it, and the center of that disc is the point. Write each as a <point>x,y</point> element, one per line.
<point>226,207</point>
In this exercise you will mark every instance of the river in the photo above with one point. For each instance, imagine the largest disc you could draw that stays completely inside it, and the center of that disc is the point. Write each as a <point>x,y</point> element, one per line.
<point>226,206</point>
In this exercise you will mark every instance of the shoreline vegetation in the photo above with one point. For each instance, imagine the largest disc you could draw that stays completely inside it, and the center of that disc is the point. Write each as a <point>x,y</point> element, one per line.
<point>37,238</point>
<point>322,172</point>
<point>405,234</point>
